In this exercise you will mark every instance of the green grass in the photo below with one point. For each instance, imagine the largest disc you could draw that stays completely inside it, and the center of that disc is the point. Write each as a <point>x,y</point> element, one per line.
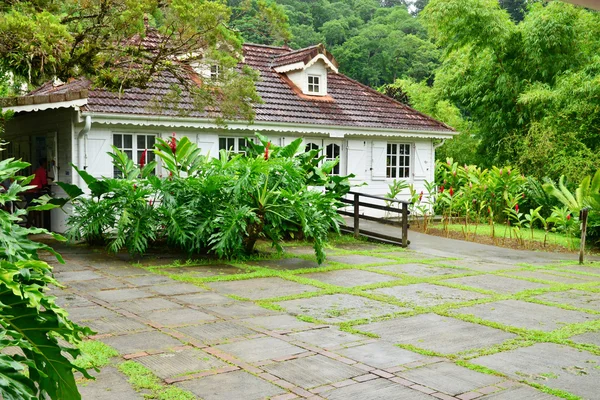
<point>142,379</point>
<point>538,234</point>
<point>94,354</point>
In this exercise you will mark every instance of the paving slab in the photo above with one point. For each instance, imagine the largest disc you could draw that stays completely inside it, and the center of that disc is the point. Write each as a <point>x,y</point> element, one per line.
<point>239,310</point>
<point>143,341</point>
<point>355,259</point>
<point>327,338</point>
<point>116,295</point>
<point>428,295</point>
<point>436,333</point>
<point>313,371</point>
<point>172,289</point>
<point>148,280</point>
<point>340,307</point>
<point>84,275</point>
<point>588,269</point>
<point>180,363</point>
<point>103,321</point>
<point>260,349</point>
<point>350,277</point>
<point>70,300</point>
<point>288,264</point>
<point>122,270</point>
<point>522,314</point>
<point>519,393</point>
<point>109,384</point>
<point>216,332</point>
<point>587,338</point>
<point>575,298</point>
<point>422,270</point>
<point>98,284</point>
<point>282,322</point>
<point>147,304</point>
<point>377,389</point>
<point>549,364</point>
<point>205,271</point>
<point>497,283</point>
<point>381,355</point>
<point>261,288</point>
<point>554,276</point>
<point>449,378</point>
<point>178,317</point>
<point>480,266</point>
<point>205,298</point>
<point>237,385</point>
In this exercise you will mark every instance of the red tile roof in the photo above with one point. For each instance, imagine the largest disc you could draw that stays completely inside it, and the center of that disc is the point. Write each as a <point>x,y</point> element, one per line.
<point>348,103</point>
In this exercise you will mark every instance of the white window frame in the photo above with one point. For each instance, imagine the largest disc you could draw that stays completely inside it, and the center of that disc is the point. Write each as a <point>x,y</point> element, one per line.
<point>215,72</point>
<point>312,85</point>
<point>398,163</point>
<point>321,144</point>
<point>232,144</point>
<point>134,149</point>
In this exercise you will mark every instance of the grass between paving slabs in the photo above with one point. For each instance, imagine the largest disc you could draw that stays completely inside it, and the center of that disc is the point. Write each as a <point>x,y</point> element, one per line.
<point>94,354</point>
<point>141,378</point>
<point>525,337</point>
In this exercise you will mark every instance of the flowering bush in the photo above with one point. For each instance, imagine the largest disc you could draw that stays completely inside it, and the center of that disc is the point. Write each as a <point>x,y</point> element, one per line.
<point>221,205</point>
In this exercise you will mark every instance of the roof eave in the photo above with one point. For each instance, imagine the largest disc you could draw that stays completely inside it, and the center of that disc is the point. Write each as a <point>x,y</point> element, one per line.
<point>282,127</point>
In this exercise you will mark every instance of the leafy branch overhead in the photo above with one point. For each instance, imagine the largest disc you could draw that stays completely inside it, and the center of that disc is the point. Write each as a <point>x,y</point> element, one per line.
<point>120,44</point>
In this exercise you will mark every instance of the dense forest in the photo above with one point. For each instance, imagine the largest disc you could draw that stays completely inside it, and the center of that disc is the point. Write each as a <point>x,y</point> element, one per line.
<point>519,79</point>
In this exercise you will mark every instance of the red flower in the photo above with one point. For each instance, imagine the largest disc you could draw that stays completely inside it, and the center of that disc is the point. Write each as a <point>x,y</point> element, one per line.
<point>151,203</point>
<point>568,217</point>
<point>442,189</point>
<point>421,196</point>
<point>516,207</point>
<point>267,150</point>
<point>508,171</point>
<point>451,191</point>
<point>143,158</point>
<point>500,171</point>
<point>173,143</point>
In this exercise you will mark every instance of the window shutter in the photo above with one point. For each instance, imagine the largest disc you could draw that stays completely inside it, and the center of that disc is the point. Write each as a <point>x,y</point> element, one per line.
<point>356,158</point>
<point>378,152</point>
<point>422,160</point>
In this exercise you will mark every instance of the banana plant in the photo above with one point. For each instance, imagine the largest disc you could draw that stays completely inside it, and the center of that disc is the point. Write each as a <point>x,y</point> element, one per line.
<point>587,193</point>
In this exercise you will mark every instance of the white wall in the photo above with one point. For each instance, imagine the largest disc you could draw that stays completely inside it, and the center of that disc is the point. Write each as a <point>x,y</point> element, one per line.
<point>300,78</point>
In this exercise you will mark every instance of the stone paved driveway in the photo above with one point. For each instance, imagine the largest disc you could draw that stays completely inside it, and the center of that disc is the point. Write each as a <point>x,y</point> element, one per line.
<point>374,322</point>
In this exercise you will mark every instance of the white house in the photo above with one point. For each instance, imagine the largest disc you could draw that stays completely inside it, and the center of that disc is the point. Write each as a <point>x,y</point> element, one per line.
<point>375,137</point>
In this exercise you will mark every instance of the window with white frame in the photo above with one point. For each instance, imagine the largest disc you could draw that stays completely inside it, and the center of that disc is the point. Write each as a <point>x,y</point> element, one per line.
<point>215,72</point>
<point>314,84</point>
<point>133,145</point>
<point>398,160</point>
<point>235,145</point>
<point>332,151</point>
<point>311,146</point>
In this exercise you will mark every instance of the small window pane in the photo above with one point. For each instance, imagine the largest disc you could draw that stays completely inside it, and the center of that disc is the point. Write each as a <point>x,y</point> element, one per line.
<point>141,141</point>
<point>150,139</point>
<point>222,144</point>
<point>127,141</point>
<point>118,140</point>
<point>129,154</point>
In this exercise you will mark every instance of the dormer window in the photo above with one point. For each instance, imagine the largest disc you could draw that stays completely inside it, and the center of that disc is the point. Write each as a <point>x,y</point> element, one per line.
<point>314,84</point>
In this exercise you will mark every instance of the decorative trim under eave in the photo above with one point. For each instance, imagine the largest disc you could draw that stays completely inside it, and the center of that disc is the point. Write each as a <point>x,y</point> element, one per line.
<point>47,106</point>
<point>205,124</point>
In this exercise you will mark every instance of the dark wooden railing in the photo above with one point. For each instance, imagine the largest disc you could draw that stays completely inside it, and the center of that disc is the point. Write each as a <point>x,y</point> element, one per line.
<point>356,202</point>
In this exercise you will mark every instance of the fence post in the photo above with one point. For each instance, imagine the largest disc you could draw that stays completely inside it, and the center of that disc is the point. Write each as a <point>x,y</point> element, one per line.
<point>356,216</point>
<point>583,217</point>
<point>404,225</point>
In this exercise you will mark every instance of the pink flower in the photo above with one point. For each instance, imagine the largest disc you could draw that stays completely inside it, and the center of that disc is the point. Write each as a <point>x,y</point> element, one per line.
<point>500,171</point>
<point>267,150</point>
<point>508,171</point>
<point>151,203</point>
<point>449,163</point>
<point>143,158</point>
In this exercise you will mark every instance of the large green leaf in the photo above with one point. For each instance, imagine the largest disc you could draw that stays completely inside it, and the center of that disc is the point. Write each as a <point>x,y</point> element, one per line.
<point>71,190</point>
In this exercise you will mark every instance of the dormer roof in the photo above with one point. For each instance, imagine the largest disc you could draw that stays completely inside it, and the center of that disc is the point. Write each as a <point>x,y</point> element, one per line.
<point>304,58</point>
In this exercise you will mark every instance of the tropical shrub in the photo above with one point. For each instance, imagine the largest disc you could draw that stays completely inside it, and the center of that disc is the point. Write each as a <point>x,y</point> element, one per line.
<point>30,321</point>
<point>221,205</point>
